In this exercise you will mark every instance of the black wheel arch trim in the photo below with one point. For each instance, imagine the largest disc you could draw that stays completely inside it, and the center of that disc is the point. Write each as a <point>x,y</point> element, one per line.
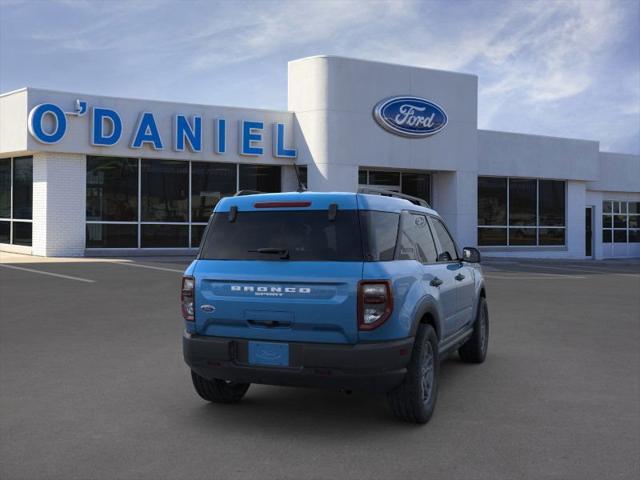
<point>428,306</point>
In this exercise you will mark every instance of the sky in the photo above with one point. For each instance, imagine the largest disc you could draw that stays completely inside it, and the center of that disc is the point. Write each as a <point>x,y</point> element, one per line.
<point>568,68</point>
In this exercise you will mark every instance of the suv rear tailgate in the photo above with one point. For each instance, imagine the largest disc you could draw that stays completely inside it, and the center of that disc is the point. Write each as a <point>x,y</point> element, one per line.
<point>278,300</point>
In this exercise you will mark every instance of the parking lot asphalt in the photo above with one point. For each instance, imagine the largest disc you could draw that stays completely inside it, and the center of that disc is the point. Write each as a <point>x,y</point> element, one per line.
<point>93,386</point>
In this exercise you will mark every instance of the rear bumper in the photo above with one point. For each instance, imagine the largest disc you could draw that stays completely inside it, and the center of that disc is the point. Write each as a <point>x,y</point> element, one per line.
<point>378,366</point>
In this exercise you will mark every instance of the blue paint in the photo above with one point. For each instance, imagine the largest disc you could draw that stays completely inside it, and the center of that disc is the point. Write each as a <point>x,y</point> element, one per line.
<point>98,136</point>
<point>279,149</point>
<point>410,116</point>
<point>250,134</point>
<point>184,131</point>
<point>221,136</point>
<point>35,123</point>
<point>147,132</point>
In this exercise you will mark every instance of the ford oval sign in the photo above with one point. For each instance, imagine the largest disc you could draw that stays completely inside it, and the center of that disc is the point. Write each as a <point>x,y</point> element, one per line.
<point>410,116</point>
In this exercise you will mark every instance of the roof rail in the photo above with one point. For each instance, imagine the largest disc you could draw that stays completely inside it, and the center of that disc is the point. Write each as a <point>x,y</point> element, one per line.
<point>242,193</point>
<point>390,193</point>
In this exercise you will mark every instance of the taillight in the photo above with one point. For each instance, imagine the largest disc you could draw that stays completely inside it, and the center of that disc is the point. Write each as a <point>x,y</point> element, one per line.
<point>375,303</point>
<point>186,298</point>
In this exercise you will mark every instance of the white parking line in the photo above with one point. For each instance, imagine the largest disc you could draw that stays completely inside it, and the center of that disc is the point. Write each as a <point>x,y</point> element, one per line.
<point>58,275</point>
<point>151,267</point>
<point>581,269</point>
<point>533,276</point>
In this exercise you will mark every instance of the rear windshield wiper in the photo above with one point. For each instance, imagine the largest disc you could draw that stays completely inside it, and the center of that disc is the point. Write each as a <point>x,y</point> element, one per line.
<point>283,252</point>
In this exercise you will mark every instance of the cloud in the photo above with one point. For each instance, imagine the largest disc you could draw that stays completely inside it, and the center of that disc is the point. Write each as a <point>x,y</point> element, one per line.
<point>543,66</point>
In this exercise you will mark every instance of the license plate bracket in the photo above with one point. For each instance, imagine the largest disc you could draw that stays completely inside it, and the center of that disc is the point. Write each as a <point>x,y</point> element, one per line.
<point>269,354</point>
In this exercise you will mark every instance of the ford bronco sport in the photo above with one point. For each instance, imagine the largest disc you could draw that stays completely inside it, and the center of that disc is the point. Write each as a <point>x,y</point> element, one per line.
<point>348,291</point>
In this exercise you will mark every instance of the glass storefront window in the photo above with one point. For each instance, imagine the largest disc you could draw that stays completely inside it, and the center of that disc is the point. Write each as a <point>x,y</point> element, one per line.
<point>522,202</point>
<point>164,194</point>
<point>112,235</point>
<point>161,213</point>
<point>620,221</point>
<point>492,201</point>
<point>532,205</point>
<point>551,203</point>
<point>5,231</point>
<point>492,236</point>
<point>164,236</point>
<point>416,184</point>
<point>5,188</point>
<point>16,200</point>
<point>261,178</point>
<point>209,183</point>
<point>112,189</point>
<point>522,236</point>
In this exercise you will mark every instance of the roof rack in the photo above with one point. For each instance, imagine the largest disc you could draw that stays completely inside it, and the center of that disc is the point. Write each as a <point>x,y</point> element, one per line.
<point>242,193</point>
<point>390,193</point>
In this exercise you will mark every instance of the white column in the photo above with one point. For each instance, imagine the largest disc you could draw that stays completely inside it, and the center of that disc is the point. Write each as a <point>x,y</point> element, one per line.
<point>59,204</point>
<point>455,197</point>
<point>575,233</point>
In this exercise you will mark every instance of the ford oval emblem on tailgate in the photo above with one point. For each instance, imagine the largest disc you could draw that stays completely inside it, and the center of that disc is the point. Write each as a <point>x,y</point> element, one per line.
<point>208,308</point>
<point>410,116</point>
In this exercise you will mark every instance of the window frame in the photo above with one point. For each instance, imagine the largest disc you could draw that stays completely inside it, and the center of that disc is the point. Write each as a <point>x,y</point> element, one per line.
<point>609,229</point>
<point>538,226</point>
<point>11,219</point>
<point>189,222</point>
<point>429,230</point>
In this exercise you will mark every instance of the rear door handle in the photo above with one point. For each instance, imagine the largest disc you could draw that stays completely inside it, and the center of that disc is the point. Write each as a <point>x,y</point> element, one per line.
<point>459,277</point>
<point>436,282</point>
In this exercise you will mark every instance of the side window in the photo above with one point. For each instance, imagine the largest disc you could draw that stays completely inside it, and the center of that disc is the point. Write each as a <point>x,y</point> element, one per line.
<point>416,242</point>
<point>448,246</point>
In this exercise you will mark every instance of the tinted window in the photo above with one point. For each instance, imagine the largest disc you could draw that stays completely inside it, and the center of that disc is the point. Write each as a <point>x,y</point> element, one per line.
<point>416,242</point>
<point>209,183</point>
<point>262,178</point>
<point>110,235</point>
<point>112,189</point>
<point>5,188</point>
<point>165,187</point>
<point>196,234</point>
<point>417,185</point>
<point>5,231</point>
<point>522,236</point>
<point>382,232</point>
<point>522,202</point>
<point>551,236</point>
<point>492,236</point>
<point>23,190</point>
<point>384,178</point>
<point>446,242</point>
<point>22,233</point>
<point>492,201</point>
<point>164,236</point>
<point>362,177</point>
<point>303,173</point>
<point>551,203</point>
<point>305,235</point>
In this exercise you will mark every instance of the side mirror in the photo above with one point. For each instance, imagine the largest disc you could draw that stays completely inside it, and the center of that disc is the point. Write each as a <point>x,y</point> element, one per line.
<point>471,255</point>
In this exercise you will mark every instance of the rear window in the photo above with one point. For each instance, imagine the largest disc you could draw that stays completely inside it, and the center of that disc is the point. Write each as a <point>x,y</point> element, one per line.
<point>306,235</point>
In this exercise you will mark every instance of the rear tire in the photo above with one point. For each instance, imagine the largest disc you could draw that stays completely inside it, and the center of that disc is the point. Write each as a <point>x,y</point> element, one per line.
<point>219,391</point>
<point>415,398</point>
<point>474,350</point>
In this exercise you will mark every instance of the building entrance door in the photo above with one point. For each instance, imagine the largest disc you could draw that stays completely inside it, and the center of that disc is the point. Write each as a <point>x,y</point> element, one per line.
<point>588,232</point>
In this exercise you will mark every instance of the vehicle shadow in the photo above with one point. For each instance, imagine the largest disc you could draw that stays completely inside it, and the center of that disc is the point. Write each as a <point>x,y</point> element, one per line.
<point>311,413</point>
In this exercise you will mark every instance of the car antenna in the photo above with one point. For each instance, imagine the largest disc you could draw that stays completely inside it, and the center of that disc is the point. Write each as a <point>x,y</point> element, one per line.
<point>301,186</point>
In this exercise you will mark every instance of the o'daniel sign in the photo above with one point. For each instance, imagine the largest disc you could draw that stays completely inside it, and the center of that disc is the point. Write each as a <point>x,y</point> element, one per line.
<point>408,116</point>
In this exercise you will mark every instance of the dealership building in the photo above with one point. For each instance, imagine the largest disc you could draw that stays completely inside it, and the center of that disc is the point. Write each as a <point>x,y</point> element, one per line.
<point>94,175</point>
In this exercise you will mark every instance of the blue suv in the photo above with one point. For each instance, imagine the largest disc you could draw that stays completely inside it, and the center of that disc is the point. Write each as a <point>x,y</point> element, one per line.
<point>348,291</point>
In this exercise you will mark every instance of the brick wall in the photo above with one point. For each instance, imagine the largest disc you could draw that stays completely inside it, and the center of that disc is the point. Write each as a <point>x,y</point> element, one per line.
<point>59,198</point>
